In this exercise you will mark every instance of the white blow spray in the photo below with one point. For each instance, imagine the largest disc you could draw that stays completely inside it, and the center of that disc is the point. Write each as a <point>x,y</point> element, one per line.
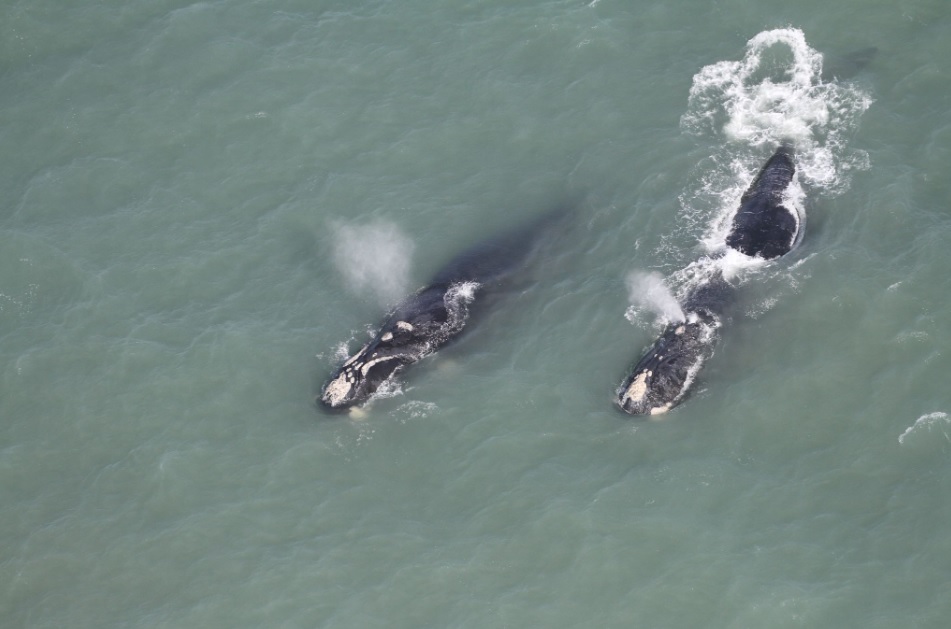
<point>647,291</point>
<point>375,259</point>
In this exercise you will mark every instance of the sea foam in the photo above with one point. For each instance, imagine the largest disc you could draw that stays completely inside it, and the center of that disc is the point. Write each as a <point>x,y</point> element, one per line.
<point>927,422</point>
<point>774,94</point>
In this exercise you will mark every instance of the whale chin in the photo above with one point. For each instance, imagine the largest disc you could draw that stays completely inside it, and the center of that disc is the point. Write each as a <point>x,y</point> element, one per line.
<point>660,380</point>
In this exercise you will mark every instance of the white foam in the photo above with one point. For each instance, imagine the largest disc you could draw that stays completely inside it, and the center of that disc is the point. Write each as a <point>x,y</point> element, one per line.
<point>374,258</point>
<point>463,291</point>
<point>389,388</point>
<point>416,410</point>
<point>457,300</point>
<point>929,422</point>
<point>342,351</point>
<point>776,93</point>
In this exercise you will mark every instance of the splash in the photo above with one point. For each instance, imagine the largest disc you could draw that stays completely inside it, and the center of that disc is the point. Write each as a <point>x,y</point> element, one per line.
<point>929,421</point>
<point>647,291</point>
<point>375,259</point>
<point>776,93</point>
<point>457,300</point>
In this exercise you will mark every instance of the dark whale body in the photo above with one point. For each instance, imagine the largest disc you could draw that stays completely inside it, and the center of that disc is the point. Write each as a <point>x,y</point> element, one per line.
<point>433,316</point>
<point>762,227</point>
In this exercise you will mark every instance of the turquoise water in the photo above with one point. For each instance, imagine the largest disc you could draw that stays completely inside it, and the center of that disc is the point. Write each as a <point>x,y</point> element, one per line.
<point>181,184</point>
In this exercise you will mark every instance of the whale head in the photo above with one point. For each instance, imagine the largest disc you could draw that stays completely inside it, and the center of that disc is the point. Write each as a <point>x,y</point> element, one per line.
<point>662,377</point>
<point>398,344</point>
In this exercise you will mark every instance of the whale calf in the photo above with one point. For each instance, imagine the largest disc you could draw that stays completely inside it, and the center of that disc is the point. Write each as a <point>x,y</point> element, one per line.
<point>434,315</point>
<point>763,226</point>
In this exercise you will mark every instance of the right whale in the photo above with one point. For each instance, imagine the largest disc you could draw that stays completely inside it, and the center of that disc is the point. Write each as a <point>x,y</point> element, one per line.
<point>437,313</point>
<point>763,227</point>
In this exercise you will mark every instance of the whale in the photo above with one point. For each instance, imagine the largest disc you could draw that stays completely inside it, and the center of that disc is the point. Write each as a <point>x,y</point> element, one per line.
<point>436,314</point>
<point>763,226</point>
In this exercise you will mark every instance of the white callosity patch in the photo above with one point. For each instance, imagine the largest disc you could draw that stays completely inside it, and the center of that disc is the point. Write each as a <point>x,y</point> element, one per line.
<point>659,410</point>
<point>692,372</point>
<point>337,390</point>
<point>355,356</point>
<point>367,366</point>
<point>638,388</point>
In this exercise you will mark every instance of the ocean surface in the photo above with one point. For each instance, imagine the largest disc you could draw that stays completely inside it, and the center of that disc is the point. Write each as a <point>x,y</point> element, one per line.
<point>204,206</point>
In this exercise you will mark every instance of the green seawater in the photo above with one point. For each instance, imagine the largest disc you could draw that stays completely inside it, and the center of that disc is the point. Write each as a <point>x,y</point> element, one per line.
<point>176,180</point>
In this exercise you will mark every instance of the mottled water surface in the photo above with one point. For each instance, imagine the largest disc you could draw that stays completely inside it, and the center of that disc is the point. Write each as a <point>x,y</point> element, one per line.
<point>205,206</point>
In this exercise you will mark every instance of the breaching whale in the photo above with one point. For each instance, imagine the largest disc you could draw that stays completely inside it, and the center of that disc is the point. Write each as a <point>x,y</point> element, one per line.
<point>434,315</point>
<point>763,226</point>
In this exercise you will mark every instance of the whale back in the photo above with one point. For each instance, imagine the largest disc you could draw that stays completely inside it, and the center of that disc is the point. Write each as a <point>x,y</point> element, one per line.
<point>763,225</point>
